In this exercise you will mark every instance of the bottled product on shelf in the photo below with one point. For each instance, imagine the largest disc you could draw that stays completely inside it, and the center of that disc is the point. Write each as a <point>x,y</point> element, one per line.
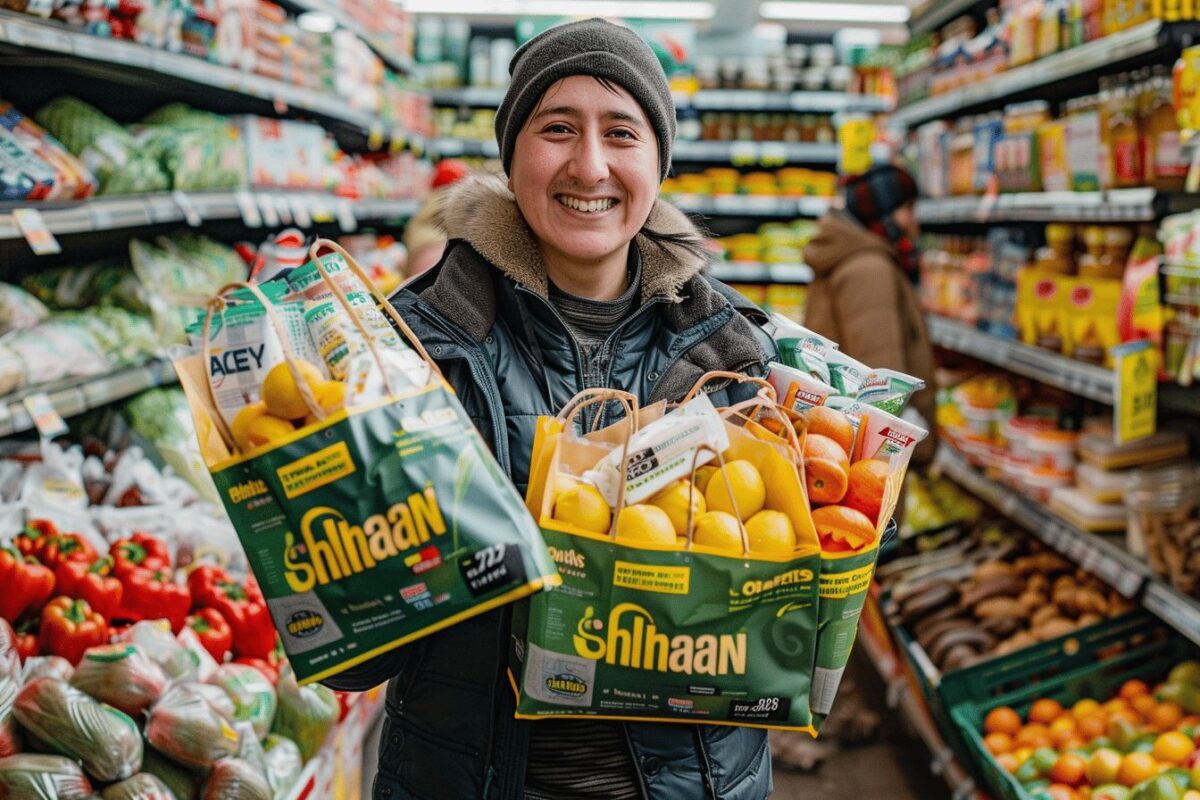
<point>726,181</point>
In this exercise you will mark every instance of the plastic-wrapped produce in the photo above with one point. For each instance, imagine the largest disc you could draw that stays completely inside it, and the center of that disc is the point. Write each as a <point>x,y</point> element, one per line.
<point>105,740</point>
<point>217,697</point>
<point>178,273</point>
<point>142,786</point>
<point>183,784</point>
<point>19,310</point>
<point>98,283</point>
<point>121,675</point>
<point>162,648</point>
<point>306,714</point>
<point>250,749</point>
<point>284,763</point>
<point>252,694</point>
<point>38,777</point>
<point>10,659</point>
<point>46,667</point>
<point>186,729</point>
<point>234,779</point>
<point>10,734</point>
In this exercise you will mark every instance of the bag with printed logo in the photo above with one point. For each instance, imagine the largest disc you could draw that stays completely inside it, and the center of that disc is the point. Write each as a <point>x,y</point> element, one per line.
<point>371,511</point>
<point>689,562</point>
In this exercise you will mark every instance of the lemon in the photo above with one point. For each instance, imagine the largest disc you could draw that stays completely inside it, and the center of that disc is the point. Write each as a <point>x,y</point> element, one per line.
<point>330,396</point>
<point>280,393</point>
<point>240,426</point>
<point>583,507</point>
<point>676,499</point>
<point>703,475</point>
<point>564,481</point>
<point>771,532</point>
<point>254,427</point>
<point>718,529</point>
<point>644,524</point>
<point>748,489</point>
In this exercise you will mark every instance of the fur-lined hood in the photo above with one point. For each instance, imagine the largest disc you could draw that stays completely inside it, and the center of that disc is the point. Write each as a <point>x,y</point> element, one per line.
<point>483,212</point>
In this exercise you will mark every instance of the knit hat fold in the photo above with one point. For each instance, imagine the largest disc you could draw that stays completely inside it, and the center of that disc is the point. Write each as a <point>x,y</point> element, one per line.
<point>589,47</point>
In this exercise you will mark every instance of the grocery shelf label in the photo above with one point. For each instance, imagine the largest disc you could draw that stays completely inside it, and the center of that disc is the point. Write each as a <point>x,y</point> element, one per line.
<point>300,212</point>
<point>270,216</point>
<point>33,228</point>
<point>345,216</point>
<point>191,213</point>
<point>1135,391</point>
<point>46,419</point>
<point>250,214</point>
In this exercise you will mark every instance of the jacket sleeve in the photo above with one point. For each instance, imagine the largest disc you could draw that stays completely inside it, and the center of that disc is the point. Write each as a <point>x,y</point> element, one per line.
<point>867,309</point>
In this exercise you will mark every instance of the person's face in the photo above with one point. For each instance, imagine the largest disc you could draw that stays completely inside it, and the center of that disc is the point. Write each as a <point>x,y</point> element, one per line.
<point>905,218</point>
<point>585,169</point>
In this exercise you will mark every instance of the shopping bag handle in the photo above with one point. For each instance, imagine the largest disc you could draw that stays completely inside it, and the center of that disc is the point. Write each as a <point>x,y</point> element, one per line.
<point>737,514</point>
<point>629,403</point>
<point>733,376</point>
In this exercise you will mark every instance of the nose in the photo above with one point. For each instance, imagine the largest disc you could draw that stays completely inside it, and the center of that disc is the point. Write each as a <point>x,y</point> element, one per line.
<point>588,165</point>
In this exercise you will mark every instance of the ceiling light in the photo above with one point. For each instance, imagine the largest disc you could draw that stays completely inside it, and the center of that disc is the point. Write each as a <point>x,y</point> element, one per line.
<point>663,9</point>
<point>316,22</point>
<point>835,12</point>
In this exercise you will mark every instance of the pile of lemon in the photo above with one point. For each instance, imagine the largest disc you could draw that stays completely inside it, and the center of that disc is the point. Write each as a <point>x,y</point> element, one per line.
<point>717,515</point>
<point>282,410</point>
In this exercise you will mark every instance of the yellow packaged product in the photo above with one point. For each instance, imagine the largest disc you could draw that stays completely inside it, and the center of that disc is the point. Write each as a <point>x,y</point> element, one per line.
<point>1052,150</point>
<point>1042,308</point>
<point>1092,319</point>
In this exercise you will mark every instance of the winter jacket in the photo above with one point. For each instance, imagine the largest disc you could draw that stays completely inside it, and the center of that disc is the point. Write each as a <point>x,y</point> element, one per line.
<point>484,316</point>
<point>861,298</point>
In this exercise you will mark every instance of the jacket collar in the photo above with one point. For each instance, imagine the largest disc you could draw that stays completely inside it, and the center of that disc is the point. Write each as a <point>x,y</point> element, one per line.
<point>483,212</point>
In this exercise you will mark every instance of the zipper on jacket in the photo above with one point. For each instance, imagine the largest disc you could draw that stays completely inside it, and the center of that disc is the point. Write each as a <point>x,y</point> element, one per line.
<point>580,378</point>
<point>705,763</point>
<point>633,760</point>
<point>615,336</point>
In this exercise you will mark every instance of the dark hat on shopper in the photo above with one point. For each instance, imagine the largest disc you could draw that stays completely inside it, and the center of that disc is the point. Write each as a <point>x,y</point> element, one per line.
<point>874,195</point>
<point>588,47</point>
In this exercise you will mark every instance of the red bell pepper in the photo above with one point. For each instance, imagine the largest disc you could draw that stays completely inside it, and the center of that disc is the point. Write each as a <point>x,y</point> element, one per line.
<point>242,606</point>
<point>35,533</point>
<point>151,594</point>
<point>139,551</point>
<point>27,645</point>
<point>213,632</point>
<point>93,583</point>
<point>25,585</point>
<point>70,627</point>
<point>55,550</point>
<point>269,670</point>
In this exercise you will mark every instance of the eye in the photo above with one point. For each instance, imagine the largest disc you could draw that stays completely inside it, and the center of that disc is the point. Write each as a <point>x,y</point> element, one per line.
<point>557,128</point>
<point>623,133</point>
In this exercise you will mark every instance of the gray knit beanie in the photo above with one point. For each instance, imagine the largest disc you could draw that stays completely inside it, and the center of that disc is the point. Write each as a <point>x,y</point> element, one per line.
<point>588,47</point>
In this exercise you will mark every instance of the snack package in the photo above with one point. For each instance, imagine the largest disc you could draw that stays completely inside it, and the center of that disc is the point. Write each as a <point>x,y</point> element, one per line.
<point>846,375</point>
<point>801,349</point>
<point>1092,310</point>
<point>252,694</point>
<point>690,605</point>
<point>38,777</point>
<point>796,389</point>
<point>189,731</point>
<point>105,740</point>
<point>121,675</point>
<point>306,714</point>
<point>1041,308</point>
<point>888,389</point>
<point>337,488</point>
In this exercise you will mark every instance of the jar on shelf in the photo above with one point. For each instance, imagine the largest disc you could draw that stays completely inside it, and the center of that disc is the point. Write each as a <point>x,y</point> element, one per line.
<point>1164,523</point>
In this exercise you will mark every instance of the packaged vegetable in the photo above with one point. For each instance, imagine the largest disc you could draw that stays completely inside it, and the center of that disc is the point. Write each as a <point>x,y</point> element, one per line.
<point>10,734</point>
<point>47,667</point>
<point>142,786</point>
<point>184,727</point>
<point>284,763</point>
<point>252,694</point>
<point>156,641</point>
<point>19,310</point>
<point>38,777</point>
<point>121,675</point>
<point>888,389</point>
<point>217,697</point>
<point>10,659</point>
<point>104,739</point>
<point>846,374</point>
<point>250,747</point>
<point>206,665</point>
<point>235,779</point>
<point>802,349</point>
<point>796,389</point>
<point>306,714</point>
<point>183,784</point>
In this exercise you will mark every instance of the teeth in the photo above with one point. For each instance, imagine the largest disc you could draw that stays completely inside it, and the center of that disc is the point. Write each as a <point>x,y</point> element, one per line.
<point>588,207</point>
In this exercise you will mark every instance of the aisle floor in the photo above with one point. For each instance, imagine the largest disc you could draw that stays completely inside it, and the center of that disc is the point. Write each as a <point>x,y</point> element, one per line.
<point>882,771</point>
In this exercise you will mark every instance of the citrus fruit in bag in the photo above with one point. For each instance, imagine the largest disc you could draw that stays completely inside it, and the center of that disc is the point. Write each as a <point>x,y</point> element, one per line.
<point>865,488</point>
<point>282,395</point>
<point>749,491</point>
<point>676,500</point>
<point>644,524</point>
<point>718,529</point>
<point>771,532</point>
<point>330,396</point>
<point>254,427</point>
<point>826,469</point>
<point>831,423</point>
<point>843,529</point>
<point>703,476</point>
<point>582,506</point>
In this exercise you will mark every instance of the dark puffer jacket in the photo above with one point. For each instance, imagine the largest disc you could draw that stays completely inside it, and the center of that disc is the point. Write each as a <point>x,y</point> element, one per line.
<point>484,316</point>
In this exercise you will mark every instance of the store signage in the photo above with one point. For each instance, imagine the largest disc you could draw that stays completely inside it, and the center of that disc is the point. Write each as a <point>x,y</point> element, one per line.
<point>34,229</point>
<point>1135,391</point>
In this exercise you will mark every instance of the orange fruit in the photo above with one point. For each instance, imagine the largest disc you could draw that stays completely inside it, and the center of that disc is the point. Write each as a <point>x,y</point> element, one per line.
<point>1008,762</point>
<point>1135,768</point>
<point>1144,705</point>
<point>1059,791</point>
<point>1002,720</point>
<point>826,469</point>
<point>1034,735</point>
<point>831,423</point>
<point>1165,716</point>
<point>843,529</point>
<point>1045,710</point>
<point>1092,726</point>
<point>1133,688</point>
<point>1190,721</point>
<point>998,743</point>
<point>1115,705</point>
<point>1103,765</point>
<point>1173,747</point>
<point>1071,769</point>
<point>1084,708</point>
<point>866,485</point>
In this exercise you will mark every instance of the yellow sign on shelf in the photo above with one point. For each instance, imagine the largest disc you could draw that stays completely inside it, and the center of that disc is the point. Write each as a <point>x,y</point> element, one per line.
<point>1135,391</point>
<point>855,135</point>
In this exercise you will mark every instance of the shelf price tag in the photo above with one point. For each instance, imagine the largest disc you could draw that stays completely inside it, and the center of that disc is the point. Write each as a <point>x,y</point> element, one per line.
<point>34,229</point>
<point>46,419</point>
<point>1135,391</point>
<point>190,213</point>
<point>250,215</point>
<point>743,154</point>
<point>266,204</point>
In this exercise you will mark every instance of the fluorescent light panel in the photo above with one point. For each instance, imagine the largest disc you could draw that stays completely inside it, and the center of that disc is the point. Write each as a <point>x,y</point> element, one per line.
<point>834,12</point>
<point>664,9</point>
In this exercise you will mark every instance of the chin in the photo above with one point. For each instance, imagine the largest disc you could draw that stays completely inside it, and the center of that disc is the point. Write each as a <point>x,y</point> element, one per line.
<point>589,248</point>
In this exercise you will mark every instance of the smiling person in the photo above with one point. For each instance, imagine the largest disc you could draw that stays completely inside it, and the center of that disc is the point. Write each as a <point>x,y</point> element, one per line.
<point>573,275</point>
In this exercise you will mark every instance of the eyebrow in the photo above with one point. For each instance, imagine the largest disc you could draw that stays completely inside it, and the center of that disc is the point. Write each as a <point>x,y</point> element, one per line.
<point>571,111</point>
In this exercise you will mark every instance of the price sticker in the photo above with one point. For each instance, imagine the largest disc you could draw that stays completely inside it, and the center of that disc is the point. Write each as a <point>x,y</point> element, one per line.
<point>33,228</point>
<point>1135,391</point>
<point>191,214</point>
<point>46,419</point>
<point>251,217</point>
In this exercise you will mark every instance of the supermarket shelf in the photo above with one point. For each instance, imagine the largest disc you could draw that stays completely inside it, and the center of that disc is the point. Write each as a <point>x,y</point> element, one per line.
<point>1086,380</point>
<point>1180,399</point>
<point>744,272</point>
<point>134,211</point>
<point>762,153</point>
<point>744,205</point>
<point>1106,53</point>
<point>936,13</point>
<point>75,397</point>
<point>449,147</point>
<point>1102,558</point>
<point>1115,205</point>
<point>344,20</point>
<point>121,56</point>
<point>1181,613</point>
<point>704,100</point>
<point>477,96</point>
